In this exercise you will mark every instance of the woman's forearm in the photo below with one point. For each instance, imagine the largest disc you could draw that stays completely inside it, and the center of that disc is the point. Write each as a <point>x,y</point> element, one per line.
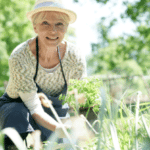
<point>45,120</point>
<point>33,103</point>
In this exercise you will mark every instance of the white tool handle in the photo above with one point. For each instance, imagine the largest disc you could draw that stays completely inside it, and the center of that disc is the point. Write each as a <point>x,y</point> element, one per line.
<point>63,128</point>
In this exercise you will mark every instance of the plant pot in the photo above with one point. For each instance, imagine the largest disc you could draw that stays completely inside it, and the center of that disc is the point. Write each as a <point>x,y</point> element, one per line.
<point>91,116</point>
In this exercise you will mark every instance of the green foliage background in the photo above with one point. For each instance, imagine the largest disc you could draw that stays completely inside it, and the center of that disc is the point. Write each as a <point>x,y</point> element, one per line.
<point>14,29</point>
<point>127,54</point>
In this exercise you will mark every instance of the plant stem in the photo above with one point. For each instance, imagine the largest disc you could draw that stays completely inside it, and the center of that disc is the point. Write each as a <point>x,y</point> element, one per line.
<point>76,111</point>
<point>137,119</point>
<point>87,112</point>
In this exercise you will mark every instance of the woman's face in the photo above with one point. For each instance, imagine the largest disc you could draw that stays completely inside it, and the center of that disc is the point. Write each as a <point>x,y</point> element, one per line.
<point>51,29</point>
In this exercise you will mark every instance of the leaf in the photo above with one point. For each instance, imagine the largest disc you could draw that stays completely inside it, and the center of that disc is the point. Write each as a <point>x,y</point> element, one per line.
<point>114,136</point>
<point>145,125</point>
<point>15,137</point>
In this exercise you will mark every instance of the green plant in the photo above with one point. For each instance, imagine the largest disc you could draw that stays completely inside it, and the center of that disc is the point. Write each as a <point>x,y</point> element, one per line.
<point>90,88</point>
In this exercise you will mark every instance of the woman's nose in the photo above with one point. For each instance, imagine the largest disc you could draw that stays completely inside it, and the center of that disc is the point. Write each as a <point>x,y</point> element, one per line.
<point>52,28</point>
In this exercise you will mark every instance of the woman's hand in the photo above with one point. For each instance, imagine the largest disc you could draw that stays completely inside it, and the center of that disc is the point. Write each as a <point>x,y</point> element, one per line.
<point>58,130</point>
<point>44,100</point>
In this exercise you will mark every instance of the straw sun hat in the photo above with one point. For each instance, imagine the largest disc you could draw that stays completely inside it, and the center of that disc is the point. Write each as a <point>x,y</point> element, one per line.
<point>51,5</point>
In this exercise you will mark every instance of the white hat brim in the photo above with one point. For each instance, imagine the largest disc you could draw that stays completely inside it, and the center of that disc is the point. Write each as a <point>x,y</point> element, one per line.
<point>70,13</point>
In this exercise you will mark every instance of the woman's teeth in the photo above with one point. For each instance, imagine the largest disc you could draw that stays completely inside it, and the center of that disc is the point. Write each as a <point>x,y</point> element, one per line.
<point>52,38</point>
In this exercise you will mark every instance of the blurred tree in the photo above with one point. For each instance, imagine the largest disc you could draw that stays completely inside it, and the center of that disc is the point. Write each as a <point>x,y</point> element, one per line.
<point>14,29</point>
<point>113,55</point>
<point>114,52</point>
<point>3,65</point>
<point>139,11</point>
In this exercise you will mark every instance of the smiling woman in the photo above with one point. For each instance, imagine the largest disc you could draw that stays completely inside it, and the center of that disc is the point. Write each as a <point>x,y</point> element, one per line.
<point>42,64</point>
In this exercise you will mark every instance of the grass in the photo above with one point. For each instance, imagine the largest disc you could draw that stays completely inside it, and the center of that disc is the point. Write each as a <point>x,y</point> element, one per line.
<point>128,126</point>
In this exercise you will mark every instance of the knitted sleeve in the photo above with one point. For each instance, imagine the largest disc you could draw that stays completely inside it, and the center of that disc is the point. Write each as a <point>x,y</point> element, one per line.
<point>21,78</point>
<point>23,85</point>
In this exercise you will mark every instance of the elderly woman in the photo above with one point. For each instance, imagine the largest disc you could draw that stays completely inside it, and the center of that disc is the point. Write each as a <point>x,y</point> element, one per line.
<point>41,64</point>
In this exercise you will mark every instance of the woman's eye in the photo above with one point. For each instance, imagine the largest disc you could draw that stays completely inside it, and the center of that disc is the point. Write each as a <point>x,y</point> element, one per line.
<point>59,23</point>
<point>45,23</point>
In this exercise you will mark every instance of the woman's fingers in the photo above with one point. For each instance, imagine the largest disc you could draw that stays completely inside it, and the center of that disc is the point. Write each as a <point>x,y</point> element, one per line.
<point>44,100</point>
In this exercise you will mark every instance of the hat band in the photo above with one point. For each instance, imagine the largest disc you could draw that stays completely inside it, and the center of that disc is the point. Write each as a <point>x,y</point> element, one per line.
<point>47,4</point>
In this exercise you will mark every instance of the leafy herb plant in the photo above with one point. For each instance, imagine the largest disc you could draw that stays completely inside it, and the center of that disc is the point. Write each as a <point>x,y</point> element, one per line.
<point>89,87</point>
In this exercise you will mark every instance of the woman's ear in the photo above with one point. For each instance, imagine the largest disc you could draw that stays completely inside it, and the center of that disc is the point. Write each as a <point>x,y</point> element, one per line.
<point>35,28</point>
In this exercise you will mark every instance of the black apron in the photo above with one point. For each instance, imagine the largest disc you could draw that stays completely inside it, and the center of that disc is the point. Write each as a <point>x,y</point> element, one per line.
<point>8,105</point>
<point>57,104</point>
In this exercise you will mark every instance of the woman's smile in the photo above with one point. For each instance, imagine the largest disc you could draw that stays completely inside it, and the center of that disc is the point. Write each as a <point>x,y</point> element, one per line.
<point>52,39</point>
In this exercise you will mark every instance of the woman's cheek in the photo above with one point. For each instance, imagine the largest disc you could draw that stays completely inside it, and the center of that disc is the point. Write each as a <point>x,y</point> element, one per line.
<point>62,29</point>
<point>43,32</point>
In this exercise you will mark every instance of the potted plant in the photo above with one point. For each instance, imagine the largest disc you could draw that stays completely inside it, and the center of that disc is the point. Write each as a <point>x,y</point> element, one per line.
<point>84,96</point>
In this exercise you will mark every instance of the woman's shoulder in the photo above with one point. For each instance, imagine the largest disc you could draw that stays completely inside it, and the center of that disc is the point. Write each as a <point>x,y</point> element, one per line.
<point>74,52</point>
<point>78,60</point>
<point>20,60</point>
<point>20,52</point>
<point>71,47</point>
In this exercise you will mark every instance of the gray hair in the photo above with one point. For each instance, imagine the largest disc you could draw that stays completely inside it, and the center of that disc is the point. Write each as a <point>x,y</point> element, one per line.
<point>39,17</point>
